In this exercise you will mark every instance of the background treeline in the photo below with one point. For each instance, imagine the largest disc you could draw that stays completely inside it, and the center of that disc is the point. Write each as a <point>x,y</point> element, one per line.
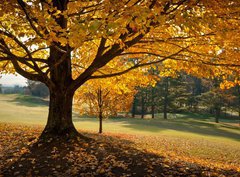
<point>182,94</point>
<point>33,88</point>
<point>187,94</point>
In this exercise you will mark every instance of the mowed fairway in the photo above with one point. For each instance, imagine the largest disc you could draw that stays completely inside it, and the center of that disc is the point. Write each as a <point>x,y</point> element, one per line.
<point>22,109</point>
<point>197,139</point>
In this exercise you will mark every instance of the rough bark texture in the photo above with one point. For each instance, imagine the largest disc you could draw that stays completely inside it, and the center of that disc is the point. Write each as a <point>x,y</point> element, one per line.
<point>60,115</point>
<point>61,96</point>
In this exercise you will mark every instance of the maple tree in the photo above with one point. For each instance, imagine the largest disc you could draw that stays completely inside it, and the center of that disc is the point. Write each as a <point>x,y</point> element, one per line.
<point>106,97</point>
<point>49,40</point>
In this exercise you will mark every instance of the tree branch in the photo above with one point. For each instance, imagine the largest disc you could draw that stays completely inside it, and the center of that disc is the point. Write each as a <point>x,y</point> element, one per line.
<point>137,66</point>
<point>23,6</point>
<point>34,66</point>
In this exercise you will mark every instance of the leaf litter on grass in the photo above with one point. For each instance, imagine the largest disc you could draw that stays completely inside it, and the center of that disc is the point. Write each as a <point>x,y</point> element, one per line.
<point>98,155</point>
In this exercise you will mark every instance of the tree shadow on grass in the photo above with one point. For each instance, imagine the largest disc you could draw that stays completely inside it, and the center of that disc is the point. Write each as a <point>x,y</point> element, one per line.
<point>99,156</point>
<point>190,125</point>
<point>29,101</point>
<point>197,127</point>
<point>209,117</point>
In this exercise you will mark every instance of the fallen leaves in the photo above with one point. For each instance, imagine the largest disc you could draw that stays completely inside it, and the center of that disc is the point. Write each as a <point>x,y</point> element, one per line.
<point>199,151</point>
<point>101,155</point>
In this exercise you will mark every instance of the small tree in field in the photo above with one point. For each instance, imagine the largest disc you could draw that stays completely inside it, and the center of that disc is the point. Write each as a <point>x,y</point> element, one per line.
<point>107,97</point>
<point>49,40</point>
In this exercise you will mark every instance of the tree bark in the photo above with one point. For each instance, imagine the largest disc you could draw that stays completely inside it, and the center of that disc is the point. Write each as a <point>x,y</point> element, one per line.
<point>153,111</point>
<point>238,91</point>
<point>165,101</point>
<point>134,107</point>
<point>217,114</point>
<point>142,107</point>
<point>152,102</point>
<point>100,122</point>
<point>100,107</point>
<point>60,115</point>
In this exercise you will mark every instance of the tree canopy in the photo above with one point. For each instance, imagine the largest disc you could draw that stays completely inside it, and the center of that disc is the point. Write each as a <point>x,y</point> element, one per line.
<point>49,40</point>
<point>111,95</point>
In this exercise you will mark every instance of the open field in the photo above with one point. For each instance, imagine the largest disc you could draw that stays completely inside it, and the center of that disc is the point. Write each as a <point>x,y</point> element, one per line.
<point>192,138</point>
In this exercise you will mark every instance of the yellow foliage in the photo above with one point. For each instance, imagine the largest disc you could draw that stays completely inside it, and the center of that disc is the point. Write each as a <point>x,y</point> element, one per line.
<point>198,37</point>
<point>117,92</point>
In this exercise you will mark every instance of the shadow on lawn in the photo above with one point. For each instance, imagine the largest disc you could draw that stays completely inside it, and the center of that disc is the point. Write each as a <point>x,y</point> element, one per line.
<point>100,156</point>
<point>198,127</point>
<point>29,101</point>
<point>183,125</point>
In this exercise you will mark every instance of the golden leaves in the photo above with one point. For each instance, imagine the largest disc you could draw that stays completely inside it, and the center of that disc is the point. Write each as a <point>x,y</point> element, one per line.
<point>121,88</point>
<point>112,154</point>
<point>208,29</point>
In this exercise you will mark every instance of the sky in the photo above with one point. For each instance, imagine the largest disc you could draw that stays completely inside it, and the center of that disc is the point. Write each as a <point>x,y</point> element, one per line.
<point>11,80</point>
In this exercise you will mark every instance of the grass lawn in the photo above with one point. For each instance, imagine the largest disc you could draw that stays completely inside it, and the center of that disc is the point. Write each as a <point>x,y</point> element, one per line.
<point>189,137</point>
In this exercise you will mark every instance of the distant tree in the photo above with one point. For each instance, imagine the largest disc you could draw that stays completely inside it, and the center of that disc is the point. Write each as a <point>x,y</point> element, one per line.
<point>38,89</point>
<point>214,100</point>
<point>168,95</point>
<point>174,93</point>
<point>165,97</point>
<point>107,97</point>
<point>143,101</point>
<point>238,101</point>
<point>18,89</point>
<point>134,106</point>
<point>0,88</point>
<point>153,102</point>
<point>233,102</point>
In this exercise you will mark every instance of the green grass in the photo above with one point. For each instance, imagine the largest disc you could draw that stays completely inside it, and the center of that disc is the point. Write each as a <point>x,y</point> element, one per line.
<point>21,109</point>
<point>191,135</point>
<point>29,101</point>
<point>32,110</point>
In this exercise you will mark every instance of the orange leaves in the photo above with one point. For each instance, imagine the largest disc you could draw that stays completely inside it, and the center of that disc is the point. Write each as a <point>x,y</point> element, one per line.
<point>117,92</point>
<point>111,155</point>
<point>226,84</point>
<point>197,36</point>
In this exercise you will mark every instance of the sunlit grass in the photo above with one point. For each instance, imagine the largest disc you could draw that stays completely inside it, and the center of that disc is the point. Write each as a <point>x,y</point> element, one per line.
<point>192,137</point>
<point>27,110</point>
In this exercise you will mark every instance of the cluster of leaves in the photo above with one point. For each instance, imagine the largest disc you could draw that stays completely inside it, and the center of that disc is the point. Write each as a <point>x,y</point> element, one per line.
<point>109,155</point>
<point>116,92</point>
<point>189,33</point>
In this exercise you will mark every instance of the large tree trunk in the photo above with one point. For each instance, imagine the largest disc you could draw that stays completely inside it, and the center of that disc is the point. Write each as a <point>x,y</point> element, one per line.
<point>60,115</point>
<point>60,108</point>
